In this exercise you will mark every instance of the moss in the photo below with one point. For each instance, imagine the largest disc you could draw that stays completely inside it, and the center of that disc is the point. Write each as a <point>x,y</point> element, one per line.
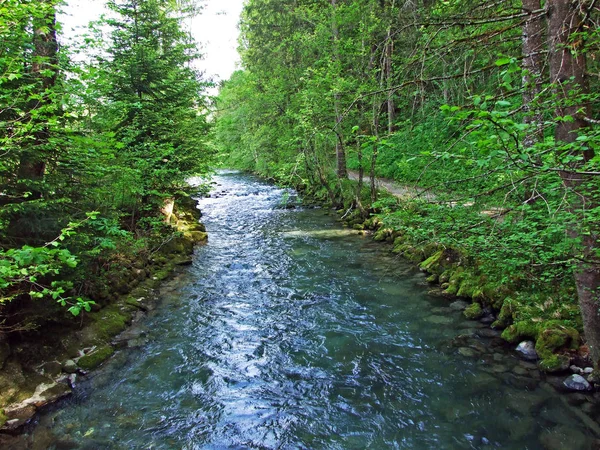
<point>95,358</point>
<point>382,234</point>
<point>473,311</point>
<point>445,276</point>
<point>505,316</point>
<point>554,337</point>
<point>554,363</point>
<point>468,287</point>
<point>161,274</point>
<point>196,236</point>
<point>520,331</point>
<point>3,418</point>
<point>432,278</point>
<point>432,262</point>
<point>109,322</point>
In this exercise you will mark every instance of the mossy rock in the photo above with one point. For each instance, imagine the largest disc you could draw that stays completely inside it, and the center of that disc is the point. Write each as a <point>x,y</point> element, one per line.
<point>432,278</point>
<point>554,363</point>
<point>445,276</point>
<point>196,236</point>
<point>95,358</point>
<point>469,286</point>
<point>431,263</point>
<point>382,234</point>
<point>162,274</point>
<point>109,322</point>
<point>554,337</point>
<point>473,311</point>
<point>520,331</point>
<point>3,418</point>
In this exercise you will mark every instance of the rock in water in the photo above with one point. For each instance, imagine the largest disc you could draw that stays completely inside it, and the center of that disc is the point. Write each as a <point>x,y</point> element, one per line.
<point>527,350</point>
<point>70,366</point>
<point>577,383</point>
<point>459,305</point>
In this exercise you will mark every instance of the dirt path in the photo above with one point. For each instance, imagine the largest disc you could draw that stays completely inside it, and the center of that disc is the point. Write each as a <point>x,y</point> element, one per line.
<point>403,192</point>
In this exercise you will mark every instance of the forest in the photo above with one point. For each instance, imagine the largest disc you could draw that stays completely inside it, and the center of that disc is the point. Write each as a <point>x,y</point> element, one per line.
<point>483,116</point>
<point>486,110</point>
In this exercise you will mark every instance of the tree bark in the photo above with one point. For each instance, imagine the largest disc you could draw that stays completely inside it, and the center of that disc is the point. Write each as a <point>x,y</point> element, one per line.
<point>533,67</point>
<point>567,71</point>
<point>387,67</point>
<point>44,72</point>
<point>340,152</point>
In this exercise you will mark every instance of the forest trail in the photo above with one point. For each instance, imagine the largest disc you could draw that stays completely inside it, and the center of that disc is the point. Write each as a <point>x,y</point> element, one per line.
<point>403,192</point>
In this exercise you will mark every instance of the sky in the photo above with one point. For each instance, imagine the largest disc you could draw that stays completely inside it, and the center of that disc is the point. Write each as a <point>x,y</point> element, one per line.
<point>215,29</point>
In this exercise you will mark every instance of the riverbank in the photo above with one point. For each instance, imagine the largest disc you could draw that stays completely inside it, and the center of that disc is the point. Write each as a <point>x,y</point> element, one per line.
<point>542,325</point>
<point>41,366</point>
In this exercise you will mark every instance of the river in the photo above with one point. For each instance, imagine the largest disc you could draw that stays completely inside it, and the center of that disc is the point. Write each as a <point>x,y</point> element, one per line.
<point>289,332</point>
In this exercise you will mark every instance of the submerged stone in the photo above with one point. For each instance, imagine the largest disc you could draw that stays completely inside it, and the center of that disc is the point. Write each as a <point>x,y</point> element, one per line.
<point>459,305</point>
<point>563,437</point>
<point>467,352</point>
<point>439,320</point>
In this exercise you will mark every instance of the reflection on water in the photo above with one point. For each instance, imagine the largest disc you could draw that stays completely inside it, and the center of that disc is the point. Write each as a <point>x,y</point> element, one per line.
<point>288,332</point>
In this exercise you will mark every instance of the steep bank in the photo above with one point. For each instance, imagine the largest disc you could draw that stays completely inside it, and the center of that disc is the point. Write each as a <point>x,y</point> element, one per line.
<point>41,366</point>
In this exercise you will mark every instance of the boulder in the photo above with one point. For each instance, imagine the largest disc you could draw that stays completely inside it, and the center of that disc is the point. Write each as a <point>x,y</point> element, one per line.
<point>69,366</point>
<point>577,383</point>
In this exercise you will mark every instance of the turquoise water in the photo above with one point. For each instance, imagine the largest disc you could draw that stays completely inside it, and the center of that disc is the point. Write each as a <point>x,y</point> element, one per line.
<point>289,332</point>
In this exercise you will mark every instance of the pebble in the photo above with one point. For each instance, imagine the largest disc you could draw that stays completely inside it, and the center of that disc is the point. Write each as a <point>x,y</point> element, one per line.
<point>575,369</point>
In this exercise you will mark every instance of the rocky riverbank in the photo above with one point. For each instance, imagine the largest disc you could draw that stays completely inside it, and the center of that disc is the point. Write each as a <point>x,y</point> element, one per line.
<point>42,366</point>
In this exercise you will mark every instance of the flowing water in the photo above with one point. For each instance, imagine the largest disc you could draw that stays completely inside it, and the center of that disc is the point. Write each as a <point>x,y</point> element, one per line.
<point>289,332</point>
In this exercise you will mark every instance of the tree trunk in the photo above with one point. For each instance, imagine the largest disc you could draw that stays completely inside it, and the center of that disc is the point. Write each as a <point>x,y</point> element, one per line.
<point>32,161</point>
<point>387,67</point>
<point>567,71</point>
<point>533,44</point>
<point>340,152</point>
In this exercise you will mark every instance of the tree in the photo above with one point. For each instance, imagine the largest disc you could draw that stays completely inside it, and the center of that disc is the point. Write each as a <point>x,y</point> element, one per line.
<point>566,23</point>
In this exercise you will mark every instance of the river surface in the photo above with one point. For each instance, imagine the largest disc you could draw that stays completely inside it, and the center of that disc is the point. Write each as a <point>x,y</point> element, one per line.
<point>289,332</point>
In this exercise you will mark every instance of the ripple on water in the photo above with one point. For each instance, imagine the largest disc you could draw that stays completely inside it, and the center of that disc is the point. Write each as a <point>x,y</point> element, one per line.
<point>289,332</point>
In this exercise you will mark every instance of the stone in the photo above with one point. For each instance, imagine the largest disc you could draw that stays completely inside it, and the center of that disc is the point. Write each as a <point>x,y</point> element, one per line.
<point>518,370</point>
<point>467,352</point>
<point>588,370</point>
<point>52,368</point>
<point>488,319</point>
<point>18,415</point>
<point>526,350</point>
<point>487,333</point>
<point>575,369</point>
<point>69,366</point>
<point>563,437</point>
<point>476,345</point>
<point>576,399</point>
<point>440,320</point>
<point>527,365</point>
<point>459,305</point>
<point>47,393</point>
<point>577,383</point>
<point>555,364</point>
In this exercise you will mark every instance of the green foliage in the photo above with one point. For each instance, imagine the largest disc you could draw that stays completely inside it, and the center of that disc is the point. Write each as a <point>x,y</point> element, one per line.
<point>116,134</point>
